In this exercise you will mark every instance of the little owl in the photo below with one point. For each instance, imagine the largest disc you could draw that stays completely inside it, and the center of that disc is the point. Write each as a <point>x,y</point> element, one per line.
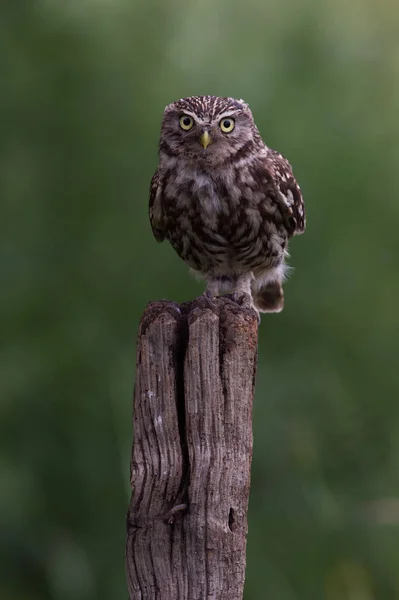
<point>225,201</point>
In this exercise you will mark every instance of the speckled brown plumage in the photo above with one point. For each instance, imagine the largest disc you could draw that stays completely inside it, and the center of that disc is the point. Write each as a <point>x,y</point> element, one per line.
<point>226,202</point>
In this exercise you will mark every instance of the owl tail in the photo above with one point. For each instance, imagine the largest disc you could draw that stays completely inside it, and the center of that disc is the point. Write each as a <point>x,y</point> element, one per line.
<point>269,298</point>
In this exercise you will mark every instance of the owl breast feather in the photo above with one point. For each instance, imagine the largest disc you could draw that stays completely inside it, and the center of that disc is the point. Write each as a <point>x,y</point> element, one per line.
<point>217,227</point>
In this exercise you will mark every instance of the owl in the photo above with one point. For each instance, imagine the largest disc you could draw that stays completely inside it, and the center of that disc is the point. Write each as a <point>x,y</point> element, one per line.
<point>226,202</point>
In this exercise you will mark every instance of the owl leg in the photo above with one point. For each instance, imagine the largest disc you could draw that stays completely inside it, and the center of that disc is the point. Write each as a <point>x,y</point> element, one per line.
<point>243,284</point>
<point>217,285</point>
<point>212,288</point>
<point>242,291</point>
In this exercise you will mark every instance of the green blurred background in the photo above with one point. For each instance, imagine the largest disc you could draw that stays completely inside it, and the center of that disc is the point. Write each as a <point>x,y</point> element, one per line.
<point>83,84</point>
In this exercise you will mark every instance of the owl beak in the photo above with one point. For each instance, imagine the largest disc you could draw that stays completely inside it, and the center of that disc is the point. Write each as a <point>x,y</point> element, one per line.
<point>205,139</point>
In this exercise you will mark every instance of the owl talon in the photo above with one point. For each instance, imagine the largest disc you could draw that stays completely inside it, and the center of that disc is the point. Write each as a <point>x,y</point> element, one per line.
<point>243,299</point>
<point>236,297</point>
<point>209,294</point>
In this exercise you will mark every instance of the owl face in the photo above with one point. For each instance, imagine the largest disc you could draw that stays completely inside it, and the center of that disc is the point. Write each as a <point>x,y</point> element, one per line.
<point>207,129</point>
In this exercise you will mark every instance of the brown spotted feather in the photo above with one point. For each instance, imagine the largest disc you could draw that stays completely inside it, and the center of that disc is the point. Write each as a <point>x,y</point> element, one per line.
<point>228,209</point>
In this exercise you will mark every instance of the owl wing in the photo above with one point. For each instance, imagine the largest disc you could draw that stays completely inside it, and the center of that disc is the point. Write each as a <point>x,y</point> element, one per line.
<point>287,194</point>
<point>156,213</point>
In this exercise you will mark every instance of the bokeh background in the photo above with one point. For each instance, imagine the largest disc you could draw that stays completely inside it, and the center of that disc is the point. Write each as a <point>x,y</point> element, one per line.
<point>83,85</point>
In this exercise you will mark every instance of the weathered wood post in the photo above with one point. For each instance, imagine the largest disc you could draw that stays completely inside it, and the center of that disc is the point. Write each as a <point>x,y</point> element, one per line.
<point>191,458</point>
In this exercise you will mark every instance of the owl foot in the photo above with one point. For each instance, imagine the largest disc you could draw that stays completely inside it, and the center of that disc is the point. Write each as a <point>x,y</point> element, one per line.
<point>209,293</point>
<point>242,291</point>
<point>245,300</point>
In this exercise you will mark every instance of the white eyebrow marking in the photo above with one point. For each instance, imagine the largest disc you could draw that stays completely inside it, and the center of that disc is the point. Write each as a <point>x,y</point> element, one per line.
<point>226,115</point>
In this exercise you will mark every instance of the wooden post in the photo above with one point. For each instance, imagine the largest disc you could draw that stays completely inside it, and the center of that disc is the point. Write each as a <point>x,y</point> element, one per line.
<point>191,458</point>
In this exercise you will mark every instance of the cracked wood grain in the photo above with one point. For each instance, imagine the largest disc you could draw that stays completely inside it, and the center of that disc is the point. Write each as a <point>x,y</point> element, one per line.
<point>191,457</point>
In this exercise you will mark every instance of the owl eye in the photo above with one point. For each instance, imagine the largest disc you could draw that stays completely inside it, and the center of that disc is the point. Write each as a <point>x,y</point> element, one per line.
<point>227,125</point>
<point>186,122</point>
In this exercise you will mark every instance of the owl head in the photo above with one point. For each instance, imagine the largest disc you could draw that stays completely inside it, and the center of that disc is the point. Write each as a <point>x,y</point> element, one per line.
<point>207,129</point>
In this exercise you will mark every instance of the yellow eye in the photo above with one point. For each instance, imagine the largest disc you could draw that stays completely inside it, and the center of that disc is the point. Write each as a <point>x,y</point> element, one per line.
<point>186,122</point>
<point>227,125</point>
